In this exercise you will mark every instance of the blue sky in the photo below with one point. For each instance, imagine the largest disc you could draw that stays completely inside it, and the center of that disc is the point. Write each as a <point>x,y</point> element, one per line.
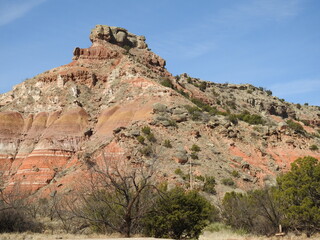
<point>269,43</point>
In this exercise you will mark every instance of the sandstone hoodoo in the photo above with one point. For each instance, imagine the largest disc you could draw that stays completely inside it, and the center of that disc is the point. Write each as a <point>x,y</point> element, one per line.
<point>116,99</point>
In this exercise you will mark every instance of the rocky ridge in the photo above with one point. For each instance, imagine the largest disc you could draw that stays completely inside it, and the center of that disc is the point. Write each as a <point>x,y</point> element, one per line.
<point>55,125</point>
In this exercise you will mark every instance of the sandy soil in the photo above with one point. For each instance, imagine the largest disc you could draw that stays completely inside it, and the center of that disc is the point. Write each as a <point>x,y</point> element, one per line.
<point>224,235</point>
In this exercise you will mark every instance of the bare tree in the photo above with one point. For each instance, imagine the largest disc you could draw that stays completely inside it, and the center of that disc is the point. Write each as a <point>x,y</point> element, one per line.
<point>119,196</point>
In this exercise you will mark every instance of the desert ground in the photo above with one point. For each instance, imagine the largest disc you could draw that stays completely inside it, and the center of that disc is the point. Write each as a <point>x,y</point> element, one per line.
<point>223,235</point>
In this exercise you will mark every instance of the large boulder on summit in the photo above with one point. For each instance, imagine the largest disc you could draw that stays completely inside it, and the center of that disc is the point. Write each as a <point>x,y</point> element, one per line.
<point>117,35</point>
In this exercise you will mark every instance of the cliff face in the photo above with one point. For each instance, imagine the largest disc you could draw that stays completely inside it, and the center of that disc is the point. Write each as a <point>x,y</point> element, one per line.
<point>53,126</point>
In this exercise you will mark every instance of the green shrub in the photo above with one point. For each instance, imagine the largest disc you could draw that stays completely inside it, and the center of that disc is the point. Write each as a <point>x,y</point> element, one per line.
<point>146,130</point>
<point>269,92</point>
<point>306,122</point>
<point>17,220</point>
<point>295,126</point>
<point>195,112</point>
<point>214,93</point>
<point>151,137</point>
<point>195,148</point>
<point>178,215</point>
<point>167,83</point>
<point>233,118</point>
<point>194,156</point>
<point>227,182</point>
<point>172,123</point>
<point>235,174</point>
<point>183,93</point>
<point>127,48</point>
<point>140,139</point>
<point>231,104</point>
<point>202,105</point>
<point>167,143</point>
<point>314,147</point>
<point>252,119</point>
<point>178,171</point>
<point>203,86</point>
<point>299,192</point>
<point>185,177</point>
<point>200,178</point>
<point>146,151</point>
<point>209,185</point>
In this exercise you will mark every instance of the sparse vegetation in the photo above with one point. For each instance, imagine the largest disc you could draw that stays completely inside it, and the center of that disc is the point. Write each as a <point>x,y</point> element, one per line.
<point>146,151</point>
<point>232,104</point>
<point>118,200</point>
<point>254,212</point>
<point>194,155</point>
<point>140,139</point>
<point>233,118</point>
<point>235,174</point>
<point>185,177</point>
<point>295,126</point>
<point>146,130</point>
<point>195,148</point>
<point>151,137</point>
<point>314,147</point>
<point>127,48</point>
<point>167,143</point>
<point>194,111</point>
<point>228,182</point>
<point>203,86</point>
<point>173,123</point>
<point>293,203</point>
<point>209,185</point>
<point>167,83</point>
<point>252,119</point>
<point>269,92</point>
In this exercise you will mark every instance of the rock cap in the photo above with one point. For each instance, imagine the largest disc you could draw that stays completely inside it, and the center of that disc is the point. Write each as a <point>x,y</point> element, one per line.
<point>118,36</point>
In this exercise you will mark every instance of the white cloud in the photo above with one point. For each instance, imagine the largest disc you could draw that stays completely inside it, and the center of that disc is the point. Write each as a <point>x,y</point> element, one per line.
<point>286,89</point>
<point>11,10</point>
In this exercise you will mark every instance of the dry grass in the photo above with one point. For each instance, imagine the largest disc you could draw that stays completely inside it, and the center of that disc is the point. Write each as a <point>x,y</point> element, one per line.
<point>224,234</point>
<point>43,236</point>
<point>228,235</point>
<point>219,231</point>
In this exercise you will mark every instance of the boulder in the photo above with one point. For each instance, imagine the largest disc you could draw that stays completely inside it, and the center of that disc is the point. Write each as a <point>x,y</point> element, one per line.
<point>181,156</point>
<point>117,35</point>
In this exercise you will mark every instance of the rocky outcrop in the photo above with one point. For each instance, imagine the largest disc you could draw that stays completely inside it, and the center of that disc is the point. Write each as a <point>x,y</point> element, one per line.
<point>94,53</point>
<point>116,35</point>
<point>57,125</point>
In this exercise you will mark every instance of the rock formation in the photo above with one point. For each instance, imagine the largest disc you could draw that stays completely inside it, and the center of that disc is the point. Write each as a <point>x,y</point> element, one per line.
<point>55,126</point>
